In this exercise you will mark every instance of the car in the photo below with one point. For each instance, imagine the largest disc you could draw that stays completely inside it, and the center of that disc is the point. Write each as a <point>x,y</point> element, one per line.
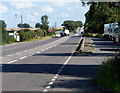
<point>61,33</point>
<point>57,34</point>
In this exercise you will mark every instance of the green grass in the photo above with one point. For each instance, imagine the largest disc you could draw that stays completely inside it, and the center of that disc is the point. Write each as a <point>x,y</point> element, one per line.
<point>108,75</point>
<point>42,38</point>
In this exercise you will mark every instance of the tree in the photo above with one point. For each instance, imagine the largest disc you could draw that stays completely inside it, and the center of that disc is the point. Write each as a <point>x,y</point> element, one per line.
<point>3,24</point>
<point>44,20</point>
<point>20,25</point>
<point>38,25</point>
<point>101,13</point>
<point>72,25</point>
<point>25,25</point>
<point>4,36</point>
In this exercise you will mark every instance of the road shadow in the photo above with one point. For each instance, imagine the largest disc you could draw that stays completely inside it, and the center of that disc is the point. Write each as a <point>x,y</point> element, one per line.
<point>78,54</point>
<point>85,71</point>
<point>69,43</point>
<point>73,72</point>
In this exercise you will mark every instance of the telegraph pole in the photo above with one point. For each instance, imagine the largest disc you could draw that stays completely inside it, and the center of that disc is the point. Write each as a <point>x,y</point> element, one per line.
<point>22,20</point>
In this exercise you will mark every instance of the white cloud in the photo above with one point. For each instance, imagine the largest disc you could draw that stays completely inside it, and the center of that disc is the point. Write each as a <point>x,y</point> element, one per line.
<point>31,18</point>
<point>36,13</point>
<point>22,5</point>
<point>3,9</point>
<point>47,9</point>
<point>61,4</point>
<point>63,14</point>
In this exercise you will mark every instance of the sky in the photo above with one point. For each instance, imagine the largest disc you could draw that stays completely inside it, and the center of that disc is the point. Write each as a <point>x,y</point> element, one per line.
<point>57,12</point>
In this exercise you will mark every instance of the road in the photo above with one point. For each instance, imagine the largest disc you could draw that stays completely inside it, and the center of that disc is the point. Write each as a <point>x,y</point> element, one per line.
<point>34,70</point>
<point>51,66</point>
<point>18,47</point>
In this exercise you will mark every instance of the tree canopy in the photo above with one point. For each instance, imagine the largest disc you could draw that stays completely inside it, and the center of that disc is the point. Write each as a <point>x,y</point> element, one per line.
<point>101,13</point>
<point>72,25</point>
<point>25,25</point>
<point>44,20</point>
<point>38,25</point>
<point>4,36</point>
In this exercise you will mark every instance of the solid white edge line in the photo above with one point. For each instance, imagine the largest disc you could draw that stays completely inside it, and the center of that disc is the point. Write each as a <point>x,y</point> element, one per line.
<point>50,83</point>
<point>48,86</point>
<point>12,61</point>
<point>53,79</point>
<point>23,57</point>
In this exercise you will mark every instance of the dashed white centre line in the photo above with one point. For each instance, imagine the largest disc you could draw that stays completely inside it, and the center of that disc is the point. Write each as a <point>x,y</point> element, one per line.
<point>42,50</point>
<point>25,50</point>
<point>18,53</point>
<point>23,57</point>
<point>12,61</point>
<point>1,57</point>
<point>37,52</point>
<point>10,55</point>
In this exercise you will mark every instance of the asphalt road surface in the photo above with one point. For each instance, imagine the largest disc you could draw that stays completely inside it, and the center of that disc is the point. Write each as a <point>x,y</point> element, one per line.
<point>51,67</point>
<point>39,68</point>
<point>18,47</point>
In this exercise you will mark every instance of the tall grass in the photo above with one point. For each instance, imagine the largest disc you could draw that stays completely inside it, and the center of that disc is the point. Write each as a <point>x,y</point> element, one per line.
<point>108,75</point>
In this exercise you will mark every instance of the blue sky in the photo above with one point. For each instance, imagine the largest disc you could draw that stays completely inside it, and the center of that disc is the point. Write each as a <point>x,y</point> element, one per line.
<point>32,12</point>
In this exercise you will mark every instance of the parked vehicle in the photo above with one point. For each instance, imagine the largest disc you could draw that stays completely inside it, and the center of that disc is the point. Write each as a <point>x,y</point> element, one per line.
<point>112,32</point>
<point>57,34</point>
<point>67,32</point>
<point>61,32</point>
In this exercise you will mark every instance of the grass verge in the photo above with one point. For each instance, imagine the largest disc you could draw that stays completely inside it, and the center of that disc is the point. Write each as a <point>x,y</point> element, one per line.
<point>42,38</point>
<point>108,75</point>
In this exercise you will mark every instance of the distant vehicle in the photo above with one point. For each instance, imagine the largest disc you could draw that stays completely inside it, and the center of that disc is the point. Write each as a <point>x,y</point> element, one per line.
<point>57,34</point>
<point>67,32</point>
<point>61,32</point>
<point>111,31</point>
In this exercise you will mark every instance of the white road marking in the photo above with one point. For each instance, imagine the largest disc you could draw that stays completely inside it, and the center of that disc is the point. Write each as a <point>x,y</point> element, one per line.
<point>18,53</point>
<point>48,86</point>
<point>25,50</point>
<point>37,52</point>
<point>30,55</point>
<point>53,79</point>
<point>46,49</point>
<point>12,61</point>
<point>45,90</point>
<point>42,50</point>
<point>23,57</point>
<point>10,55</point>
<point>50,83</point>
<point>1,57</point>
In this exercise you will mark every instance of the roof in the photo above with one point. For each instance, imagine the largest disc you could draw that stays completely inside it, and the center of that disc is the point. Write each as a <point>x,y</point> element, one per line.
<point>59,28</point>
<point>17,29</point>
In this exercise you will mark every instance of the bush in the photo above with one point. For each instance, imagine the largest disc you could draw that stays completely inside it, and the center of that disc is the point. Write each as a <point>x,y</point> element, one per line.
<point>28,34</point>
<point>39,32</point>
<point>97,35</point>
<point>109,74</point>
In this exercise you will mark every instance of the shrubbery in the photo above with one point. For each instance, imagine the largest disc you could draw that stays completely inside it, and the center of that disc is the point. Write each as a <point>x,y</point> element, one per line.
<point>109,74</point>
<point>28,34</point>
<point>4,36</point>
<point>93,35</point>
